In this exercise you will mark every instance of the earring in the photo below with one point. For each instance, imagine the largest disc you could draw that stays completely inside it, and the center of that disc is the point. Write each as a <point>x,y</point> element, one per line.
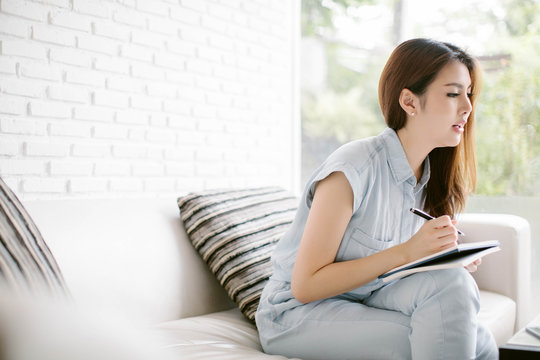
<point>412,114</point>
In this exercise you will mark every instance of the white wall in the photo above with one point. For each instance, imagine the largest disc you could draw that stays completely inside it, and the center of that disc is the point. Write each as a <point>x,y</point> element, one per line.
<point>117,98</point>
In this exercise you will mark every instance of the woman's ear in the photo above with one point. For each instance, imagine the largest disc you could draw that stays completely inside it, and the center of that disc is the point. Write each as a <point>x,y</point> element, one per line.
<point>408,101</point>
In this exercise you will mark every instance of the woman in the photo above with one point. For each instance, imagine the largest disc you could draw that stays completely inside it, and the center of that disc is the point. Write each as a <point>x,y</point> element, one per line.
<point>324,300</point>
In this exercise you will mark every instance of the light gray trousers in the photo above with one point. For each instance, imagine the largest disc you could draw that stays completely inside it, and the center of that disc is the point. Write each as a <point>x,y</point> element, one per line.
<point>430,315</point>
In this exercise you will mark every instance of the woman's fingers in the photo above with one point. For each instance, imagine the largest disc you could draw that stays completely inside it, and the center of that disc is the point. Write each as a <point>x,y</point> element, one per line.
<point>435,235</point>
<point>473,266</point>
<point>444,227</point>
<point>442,221</point>
<point>448,243</point>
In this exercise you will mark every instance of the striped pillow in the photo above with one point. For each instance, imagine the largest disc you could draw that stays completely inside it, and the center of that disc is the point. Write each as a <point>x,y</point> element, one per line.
<point>26,263</point>
<point>235,232</point>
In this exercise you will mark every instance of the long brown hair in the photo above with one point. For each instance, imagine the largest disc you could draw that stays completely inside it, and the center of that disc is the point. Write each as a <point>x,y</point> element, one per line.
<point>413,65</point>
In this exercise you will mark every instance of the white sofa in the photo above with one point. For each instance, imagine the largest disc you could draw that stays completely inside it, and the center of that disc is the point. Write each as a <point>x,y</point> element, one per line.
<point>132,258</point>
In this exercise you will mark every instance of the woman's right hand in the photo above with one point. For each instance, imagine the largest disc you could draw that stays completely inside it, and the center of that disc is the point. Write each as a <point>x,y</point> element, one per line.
<point>434,236</point>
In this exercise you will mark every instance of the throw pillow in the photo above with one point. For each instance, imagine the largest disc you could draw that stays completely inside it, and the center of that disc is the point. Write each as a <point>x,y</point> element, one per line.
<point>235,232</point>
<point>26,263</point>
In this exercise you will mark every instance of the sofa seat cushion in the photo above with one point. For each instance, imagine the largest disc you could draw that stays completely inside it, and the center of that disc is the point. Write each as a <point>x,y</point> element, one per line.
<point>498,314</point>
<point>229,335</point>
<point>221,335</point>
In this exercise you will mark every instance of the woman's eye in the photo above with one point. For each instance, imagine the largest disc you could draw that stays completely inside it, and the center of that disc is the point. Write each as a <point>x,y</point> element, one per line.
<point>452,94</point>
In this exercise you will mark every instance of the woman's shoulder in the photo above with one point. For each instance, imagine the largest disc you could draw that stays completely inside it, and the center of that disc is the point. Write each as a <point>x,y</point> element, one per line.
<point>357,160</point>
<point>358,152</point>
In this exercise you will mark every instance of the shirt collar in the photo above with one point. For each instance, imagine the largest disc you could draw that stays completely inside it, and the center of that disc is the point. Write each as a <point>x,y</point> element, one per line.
<point>425,175</point>
<point>399,166</point>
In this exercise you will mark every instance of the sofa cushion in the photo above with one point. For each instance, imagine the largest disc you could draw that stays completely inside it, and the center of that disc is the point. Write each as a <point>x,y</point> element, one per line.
<point>235,232</point>
<point>227,335</point>
<point>224,335</point>
<point>498,314</point>
<point>26,264</point>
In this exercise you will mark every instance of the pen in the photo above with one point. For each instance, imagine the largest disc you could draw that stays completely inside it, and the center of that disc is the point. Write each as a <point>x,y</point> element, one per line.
<point>427,217</point>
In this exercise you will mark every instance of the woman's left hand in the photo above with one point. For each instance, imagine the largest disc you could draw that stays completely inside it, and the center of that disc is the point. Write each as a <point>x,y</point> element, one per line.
<point>473,266</point>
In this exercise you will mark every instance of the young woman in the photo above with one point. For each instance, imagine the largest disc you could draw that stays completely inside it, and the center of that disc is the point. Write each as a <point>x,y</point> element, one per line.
<point>324,299</point>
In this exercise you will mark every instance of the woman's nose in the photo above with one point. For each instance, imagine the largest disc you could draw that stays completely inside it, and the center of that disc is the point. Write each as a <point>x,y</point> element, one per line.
<point>467,105</point>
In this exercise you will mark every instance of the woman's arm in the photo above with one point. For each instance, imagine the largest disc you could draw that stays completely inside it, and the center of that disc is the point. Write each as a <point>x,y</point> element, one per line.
<point>316,276</point>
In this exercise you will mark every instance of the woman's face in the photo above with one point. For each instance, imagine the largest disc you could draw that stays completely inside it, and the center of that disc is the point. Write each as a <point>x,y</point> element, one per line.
<point>446,105</point>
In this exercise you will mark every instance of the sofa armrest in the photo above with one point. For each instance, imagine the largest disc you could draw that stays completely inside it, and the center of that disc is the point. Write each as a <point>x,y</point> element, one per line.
<point>507,272</point>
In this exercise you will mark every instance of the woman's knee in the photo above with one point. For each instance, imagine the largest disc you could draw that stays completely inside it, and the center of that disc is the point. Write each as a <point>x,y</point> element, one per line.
<point>456,286</point>
<point>459,280</point>
<point>446,283</point>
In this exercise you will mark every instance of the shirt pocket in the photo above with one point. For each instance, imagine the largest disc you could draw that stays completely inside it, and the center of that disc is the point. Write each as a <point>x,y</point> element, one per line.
<point>361,244</point>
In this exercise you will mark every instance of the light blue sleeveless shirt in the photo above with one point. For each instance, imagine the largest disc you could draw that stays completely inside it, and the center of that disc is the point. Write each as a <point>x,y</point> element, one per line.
<point>384,189</point>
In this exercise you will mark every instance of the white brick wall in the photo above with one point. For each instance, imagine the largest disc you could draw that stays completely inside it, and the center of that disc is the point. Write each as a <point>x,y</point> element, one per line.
<point>106,98</point>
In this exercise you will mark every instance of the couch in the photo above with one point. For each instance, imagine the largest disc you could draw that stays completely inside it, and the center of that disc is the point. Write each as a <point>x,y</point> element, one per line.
<point>132,259</point>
